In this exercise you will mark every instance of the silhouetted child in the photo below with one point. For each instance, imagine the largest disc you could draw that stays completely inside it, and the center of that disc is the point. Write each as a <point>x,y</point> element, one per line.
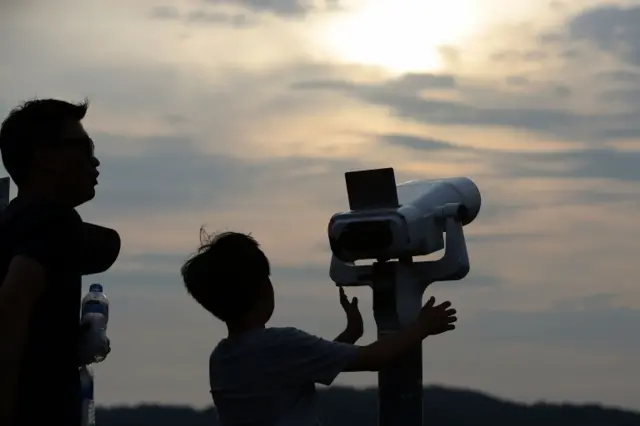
<point>266,375</point>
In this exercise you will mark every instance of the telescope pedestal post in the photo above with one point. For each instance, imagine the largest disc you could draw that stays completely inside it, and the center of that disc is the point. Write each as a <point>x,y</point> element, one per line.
<point>397,300</point>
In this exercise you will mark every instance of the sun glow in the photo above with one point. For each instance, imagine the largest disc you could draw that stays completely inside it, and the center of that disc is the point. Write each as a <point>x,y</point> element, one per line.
<point>399,35</point>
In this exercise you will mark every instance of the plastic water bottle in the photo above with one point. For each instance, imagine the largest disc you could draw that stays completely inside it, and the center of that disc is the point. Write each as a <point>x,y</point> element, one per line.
<point>88,407</point>
<point>95,310</point>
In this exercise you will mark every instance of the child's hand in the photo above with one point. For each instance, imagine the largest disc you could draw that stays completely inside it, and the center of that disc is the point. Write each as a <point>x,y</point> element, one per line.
<point>355,325</point>
<point>436,319</point>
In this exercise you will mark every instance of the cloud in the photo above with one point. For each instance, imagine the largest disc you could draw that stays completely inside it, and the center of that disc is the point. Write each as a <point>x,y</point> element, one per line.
<point>593,323</point>
<point>410,105</point>
<point>235,20</point>
<point>610,28</point>
<point>164,12</point>
<point>593,163</point>
<point>409,82</point>
<point>201,16</point>
<point>627,96</point>
<point>534,108</point>
<point>172,172</point>
<point>282,8</point>
<point>619,77</point>
<point>517,80</point>
<point>544,108</point>
<point>606,163</point>
<point>514,55</point>
<point>416,143</point>
<point>417,82</point>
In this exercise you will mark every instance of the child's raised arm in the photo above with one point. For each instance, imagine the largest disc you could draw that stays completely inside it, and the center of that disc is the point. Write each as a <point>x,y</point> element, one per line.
<point>292,356</point>
<point>431,321</point>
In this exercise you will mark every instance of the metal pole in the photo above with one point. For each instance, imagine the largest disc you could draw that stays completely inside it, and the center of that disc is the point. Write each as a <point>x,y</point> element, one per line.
<point>400,384</point>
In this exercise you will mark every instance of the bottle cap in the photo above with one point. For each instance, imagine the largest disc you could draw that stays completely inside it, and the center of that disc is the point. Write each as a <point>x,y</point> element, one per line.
<point>96,288</point>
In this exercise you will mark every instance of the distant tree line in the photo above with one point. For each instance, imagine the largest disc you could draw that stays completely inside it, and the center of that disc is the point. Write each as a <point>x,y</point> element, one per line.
<point>442,407</point>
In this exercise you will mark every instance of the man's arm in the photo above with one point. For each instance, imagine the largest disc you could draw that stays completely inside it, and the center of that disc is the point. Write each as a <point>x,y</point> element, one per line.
<point>100,248</point>
<point>52,239</point>
<point>23,284</point>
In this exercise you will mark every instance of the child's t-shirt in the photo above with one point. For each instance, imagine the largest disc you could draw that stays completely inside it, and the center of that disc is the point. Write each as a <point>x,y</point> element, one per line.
<point>267,377</point>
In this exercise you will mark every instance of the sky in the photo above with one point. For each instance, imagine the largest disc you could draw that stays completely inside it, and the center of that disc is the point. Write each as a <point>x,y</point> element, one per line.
<point>244,115</point>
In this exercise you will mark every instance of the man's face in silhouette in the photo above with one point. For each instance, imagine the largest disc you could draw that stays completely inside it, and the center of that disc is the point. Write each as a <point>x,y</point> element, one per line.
<point>70,161</point>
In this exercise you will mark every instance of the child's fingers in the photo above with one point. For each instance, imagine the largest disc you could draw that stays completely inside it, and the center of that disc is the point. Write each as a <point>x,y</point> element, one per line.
<point>354,302</point>
<point>430,302</point>
<point>343,297</point>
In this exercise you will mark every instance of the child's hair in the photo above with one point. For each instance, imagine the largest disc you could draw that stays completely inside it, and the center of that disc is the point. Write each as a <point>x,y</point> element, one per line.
<point>227,275</point>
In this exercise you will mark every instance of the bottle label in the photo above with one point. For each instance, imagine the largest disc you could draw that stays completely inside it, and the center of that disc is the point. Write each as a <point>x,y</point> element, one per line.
<point>95,307</point>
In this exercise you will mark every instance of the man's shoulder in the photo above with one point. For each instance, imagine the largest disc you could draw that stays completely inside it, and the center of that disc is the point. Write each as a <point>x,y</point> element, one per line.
<point>46,232</point>
<point>38,214</point>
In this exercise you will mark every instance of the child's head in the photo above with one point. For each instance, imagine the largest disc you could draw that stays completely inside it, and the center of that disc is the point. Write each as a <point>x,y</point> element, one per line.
<point>229,277</point>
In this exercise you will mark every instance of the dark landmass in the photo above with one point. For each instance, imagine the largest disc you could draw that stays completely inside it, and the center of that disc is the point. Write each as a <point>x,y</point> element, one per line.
<point>443,407</point>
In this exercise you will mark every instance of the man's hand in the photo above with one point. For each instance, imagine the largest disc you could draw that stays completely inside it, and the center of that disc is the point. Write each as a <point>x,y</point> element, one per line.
<point>355,324</point>
<point>89,344</point>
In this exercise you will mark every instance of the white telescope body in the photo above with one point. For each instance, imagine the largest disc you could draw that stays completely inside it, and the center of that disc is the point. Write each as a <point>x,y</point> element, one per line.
<point>414,227</point>
<point>425,194</point>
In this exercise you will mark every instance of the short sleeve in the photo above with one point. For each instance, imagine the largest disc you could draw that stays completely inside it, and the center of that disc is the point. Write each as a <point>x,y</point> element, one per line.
<point>296,357</point>
<point>51,236</point>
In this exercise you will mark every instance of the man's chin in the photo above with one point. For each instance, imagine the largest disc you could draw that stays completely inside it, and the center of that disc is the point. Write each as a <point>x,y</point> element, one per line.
<point>86,197</point>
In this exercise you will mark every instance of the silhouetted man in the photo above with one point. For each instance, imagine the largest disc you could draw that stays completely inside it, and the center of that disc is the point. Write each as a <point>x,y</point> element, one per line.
<point>45,248</point>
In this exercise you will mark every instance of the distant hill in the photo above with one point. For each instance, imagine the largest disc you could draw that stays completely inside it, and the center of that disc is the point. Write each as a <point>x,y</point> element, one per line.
<point>443,407</point>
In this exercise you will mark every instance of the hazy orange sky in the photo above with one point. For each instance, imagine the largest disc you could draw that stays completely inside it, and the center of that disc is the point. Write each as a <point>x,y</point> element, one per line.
<point>244,115</point>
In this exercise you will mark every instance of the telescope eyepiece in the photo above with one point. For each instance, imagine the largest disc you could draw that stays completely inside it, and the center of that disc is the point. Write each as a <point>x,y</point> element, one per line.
<point>373,236</point>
